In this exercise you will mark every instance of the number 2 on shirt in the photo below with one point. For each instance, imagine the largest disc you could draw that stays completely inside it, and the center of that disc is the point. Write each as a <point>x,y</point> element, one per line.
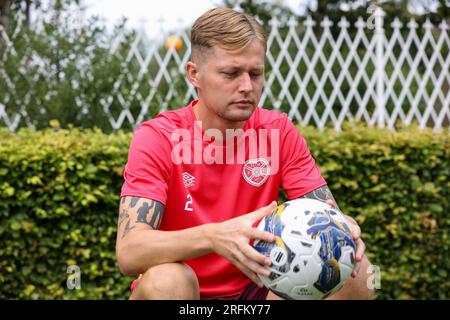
<point>187,206</point>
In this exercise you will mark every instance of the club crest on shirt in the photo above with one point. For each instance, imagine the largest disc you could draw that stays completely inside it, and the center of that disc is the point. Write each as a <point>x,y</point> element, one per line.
<point>256,171</point>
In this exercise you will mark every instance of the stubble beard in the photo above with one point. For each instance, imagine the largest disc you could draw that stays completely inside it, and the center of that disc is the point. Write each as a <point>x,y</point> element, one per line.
<point>238,115</point>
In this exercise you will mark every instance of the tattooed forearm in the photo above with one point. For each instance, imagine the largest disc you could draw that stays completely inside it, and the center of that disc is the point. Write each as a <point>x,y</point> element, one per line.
<point>135,210</point>
<point>123,216</point>
<point>322,194</point>
<point>155,210</point>
<point>134,201</point>
<point>127,228</point>
<point>155,221</point>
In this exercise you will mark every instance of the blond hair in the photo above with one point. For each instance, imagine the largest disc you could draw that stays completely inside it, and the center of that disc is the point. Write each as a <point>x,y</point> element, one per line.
<point>227,29</point>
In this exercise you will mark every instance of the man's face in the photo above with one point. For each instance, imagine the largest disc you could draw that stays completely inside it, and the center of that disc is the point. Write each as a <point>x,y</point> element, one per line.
<point>229,83</point>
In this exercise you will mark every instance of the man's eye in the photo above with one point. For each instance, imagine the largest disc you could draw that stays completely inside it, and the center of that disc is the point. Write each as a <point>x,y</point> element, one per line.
<point>230,74</point>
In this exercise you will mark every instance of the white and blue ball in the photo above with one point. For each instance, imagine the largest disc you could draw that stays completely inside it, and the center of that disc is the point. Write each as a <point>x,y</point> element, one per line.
<point>313,254</point>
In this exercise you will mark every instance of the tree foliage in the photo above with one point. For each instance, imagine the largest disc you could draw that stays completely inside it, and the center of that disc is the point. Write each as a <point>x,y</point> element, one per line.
<point>65,69</point>
<point>351,10</point>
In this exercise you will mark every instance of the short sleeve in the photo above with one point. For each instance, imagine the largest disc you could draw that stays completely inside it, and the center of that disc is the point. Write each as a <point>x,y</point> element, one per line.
<point>147,171</point>
<point>299,172</point>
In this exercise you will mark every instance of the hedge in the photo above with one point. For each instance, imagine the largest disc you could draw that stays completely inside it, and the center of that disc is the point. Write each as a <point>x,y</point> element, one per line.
<point>59,196</point>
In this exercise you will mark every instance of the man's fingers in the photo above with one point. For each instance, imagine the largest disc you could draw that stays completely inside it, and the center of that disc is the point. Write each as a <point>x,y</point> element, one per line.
<point>255,233</point>
<point>248,267</point>
<point>356,232</point>
<point>360,249</point>
<point>249,273</point>
<point>257,268</point>
<point>350,219</point>
<point>354,227</point>
<point>331,203</point>
<point>254,255</point>
<point>356,269</point>
<point>264,211</point>
<point>360,245</point>
<point>254,269</point>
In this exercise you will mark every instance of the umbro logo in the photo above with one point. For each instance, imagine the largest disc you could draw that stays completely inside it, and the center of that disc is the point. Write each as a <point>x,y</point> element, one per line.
<point>188,180</point>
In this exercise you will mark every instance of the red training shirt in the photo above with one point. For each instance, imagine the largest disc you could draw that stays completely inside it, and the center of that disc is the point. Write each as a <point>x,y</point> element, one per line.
<point>201,181</point>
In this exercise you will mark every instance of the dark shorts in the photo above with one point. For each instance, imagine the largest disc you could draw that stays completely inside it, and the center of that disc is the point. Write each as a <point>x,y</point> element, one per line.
<point>251,292</point>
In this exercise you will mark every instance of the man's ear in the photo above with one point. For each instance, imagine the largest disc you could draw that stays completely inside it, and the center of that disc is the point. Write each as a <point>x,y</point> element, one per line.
<point>192,73</point>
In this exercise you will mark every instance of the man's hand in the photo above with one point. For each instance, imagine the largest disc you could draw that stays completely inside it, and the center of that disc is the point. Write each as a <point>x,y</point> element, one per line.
<point>231,238</point>
<point>356,235</point>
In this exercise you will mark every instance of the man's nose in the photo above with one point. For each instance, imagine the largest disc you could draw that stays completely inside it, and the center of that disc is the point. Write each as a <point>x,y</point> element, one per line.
<point>245,84</point>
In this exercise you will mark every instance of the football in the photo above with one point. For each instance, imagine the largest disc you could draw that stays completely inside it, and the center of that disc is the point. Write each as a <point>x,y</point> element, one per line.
<point>313,253</point>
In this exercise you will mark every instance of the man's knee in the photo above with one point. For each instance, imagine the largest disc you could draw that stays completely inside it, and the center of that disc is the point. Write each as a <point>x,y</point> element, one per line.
<point>167,281</point>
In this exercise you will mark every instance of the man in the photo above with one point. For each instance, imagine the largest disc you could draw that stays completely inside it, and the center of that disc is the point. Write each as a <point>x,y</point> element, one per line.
<point>200,178</point>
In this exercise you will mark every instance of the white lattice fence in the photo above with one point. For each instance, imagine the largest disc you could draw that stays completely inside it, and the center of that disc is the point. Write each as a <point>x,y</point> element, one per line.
<point>317,74</point>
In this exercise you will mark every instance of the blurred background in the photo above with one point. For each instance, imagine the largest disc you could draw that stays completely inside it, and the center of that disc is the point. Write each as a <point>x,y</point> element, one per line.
<point>367,83</point>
